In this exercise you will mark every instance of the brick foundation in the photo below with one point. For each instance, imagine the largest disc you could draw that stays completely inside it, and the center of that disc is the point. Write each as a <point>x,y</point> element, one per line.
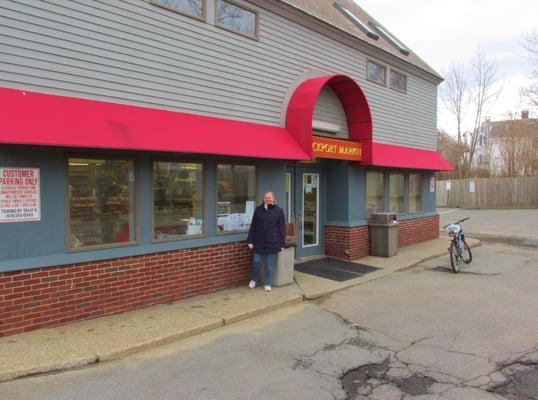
<point>347,243</point>
<point>351,243</point>
<point>46,297</point>
<point>418,230</point>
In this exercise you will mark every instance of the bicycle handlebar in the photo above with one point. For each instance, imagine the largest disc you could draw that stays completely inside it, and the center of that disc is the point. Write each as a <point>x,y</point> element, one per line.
<point>457,222</point>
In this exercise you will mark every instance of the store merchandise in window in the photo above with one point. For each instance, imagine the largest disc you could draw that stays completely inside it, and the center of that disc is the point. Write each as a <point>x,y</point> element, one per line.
<point>236,196</point>
<point>101,197</point>
<point>178,200</point>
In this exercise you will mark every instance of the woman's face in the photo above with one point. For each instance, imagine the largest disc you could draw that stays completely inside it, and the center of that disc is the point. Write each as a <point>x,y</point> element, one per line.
<point>268,198</point>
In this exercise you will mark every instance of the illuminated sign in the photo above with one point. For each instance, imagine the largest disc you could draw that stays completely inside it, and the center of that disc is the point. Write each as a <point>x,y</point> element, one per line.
<point>336,148</point>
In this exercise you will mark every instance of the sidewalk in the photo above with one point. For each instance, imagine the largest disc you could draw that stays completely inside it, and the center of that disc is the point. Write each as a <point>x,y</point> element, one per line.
<point>517,227</point>
<point>87,342</point>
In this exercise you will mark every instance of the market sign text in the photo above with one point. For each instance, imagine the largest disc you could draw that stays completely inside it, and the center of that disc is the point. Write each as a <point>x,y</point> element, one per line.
<point>336,148</point>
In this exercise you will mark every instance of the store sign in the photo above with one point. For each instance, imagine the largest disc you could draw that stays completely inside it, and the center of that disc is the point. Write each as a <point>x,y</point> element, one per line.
<point>336,148</point>
<point>19,195</point>
<point>432,184</point>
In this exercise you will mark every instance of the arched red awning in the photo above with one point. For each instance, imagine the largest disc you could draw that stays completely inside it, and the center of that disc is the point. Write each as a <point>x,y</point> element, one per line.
<point>302,104</point>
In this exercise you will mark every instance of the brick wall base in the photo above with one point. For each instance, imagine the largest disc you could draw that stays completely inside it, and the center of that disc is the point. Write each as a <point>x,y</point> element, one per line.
<point>347,243</point>
<point>418,230</point>
<point>351,243</point>
<point>46,297</point>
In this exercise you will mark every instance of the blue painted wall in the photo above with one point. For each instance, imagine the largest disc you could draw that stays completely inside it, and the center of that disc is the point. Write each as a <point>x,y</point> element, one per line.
<point>38,244</point>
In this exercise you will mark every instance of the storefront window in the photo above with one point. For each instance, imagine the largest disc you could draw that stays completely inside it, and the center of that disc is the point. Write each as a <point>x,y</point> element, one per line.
<point>375,189</point>
<point>178,200</point>
<point>236,196</point>
<point>101,202</point>
<point>415,193</point>
<point>396,188</point>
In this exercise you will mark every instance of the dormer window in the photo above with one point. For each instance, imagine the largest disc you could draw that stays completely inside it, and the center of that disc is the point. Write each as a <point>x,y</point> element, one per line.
<point>356,21</point>
<point>191,8</point>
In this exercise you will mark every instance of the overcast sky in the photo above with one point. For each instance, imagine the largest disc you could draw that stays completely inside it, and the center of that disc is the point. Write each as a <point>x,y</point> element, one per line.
<point>444,31</point>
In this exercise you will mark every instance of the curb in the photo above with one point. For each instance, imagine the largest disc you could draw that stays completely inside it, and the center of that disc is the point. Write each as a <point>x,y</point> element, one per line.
<point>519,241</point>
<point>59,366</point>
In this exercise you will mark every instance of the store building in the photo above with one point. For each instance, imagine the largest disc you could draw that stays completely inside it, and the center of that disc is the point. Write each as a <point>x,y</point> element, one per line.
<point>137,137</point>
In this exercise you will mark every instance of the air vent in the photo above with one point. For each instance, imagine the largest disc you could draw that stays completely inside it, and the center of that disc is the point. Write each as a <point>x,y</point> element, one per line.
<point>349,15</point>
<point>390,38</point>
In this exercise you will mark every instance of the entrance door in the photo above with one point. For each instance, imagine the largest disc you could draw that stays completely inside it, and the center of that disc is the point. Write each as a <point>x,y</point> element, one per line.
<point>303,208</point>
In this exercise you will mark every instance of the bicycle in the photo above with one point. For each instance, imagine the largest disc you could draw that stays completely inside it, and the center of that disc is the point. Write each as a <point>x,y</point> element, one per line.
<point>458,250</point>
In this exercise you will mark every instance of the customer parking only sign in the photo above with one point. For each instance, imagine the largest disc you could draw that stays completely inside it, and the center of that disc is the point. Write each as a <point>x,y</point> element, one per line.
<point>19,195</point>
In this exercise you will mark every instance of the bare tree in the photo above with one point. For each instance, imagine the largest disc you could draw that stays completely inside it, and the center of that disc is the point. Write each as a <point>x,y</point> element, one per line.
<point>467,93</point>
<point>530,44</point>
<point>455,96</point>
<point>483,94</point>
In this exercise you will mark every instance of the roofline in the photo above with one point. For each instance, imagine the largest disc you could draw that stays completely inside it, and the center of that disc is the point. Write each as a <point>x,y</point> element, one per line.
<point>283,8</point>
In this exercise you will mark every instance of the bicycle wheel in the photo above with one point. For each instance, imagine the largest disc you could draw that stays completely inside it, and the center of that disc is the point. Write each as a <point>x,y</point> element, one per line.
<point>454,259</point>
<point>466,254</point>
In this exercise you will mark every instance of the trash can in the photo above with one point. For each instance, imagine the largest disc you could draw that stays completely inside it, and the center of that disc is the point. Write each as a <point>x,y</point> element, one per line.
<point>284,268</point>
<point>384,234</point>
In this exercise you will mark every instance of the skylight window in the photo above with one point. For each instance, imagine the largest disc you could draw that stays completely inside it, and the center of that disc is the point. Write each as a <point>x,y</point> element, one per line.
<point>395,42</point>
<point>363,27</point>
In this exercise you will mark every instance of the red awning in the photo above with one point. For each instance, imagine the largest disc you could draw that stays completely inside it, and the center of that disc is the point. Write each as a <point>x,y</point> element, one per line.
<point>386,155</point>
<point>29,118</point>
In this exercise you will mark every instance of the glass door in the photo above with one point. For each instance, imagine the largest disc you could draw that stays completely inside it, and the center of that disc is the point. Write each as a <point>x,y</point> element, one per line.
<point>310,211</point>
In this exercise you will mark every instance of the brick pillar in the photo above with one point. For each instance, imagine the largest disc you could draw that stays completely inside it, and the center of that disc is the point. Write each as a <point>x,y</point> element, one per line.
<point>347,243</point>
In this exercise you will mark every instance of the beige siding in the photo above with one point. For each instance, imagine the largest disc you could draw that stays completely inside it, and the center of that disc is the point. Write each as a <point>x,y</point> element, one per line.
<point>132,52</point>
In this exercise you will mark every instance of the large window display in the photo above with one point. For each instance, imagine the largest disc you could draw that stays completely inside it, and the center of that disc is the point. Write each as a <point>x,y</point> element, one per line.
<point>415,193</point>
<point>101,202</point>
<point>396,188</point>
<point>178,200</point>
<point>375,193</point>
<point>236,197</point>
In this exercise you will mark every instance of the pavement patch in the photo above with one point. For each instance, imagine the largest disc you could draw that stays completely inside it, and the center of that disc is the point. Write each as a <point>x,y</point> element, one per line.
<point>521,383</point>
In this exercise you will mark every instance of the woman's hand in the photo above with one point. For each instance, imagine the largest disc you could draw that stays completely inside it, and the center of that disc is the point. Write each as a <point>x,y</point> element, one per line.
<point>250,246</point>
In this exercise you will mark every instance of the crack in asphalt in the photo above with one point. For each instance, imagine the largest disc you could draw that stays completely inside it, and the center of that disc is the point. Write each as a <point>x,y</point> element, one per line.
<point>409,379</point>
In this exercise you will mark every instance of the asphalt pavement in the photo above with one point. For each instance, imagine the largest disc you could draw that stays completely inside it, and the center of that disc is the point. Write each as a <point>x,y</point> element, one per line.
<point>420,333</point>
<point>518,227</point>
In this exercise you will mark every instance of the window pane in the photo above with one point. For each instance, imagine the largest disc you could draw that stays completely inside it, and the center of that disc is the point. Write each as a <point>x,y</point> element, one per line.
<point>288,197</point>
<point>415,193</point>
<point>236,196</point>
<point>375,193</point>
<point>396,186</point>
<point>178,199</point>
<point>191,7</point>
<point>101,198</point>
<point>376,72</point>
<point>310,209</point>
<point>236,18</point>
<point>398,81</point>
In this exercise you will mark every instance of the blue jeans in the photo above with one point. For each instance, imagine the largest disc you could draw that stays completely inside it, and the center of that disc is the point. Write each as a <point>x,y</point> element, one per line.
<point>269,260</point>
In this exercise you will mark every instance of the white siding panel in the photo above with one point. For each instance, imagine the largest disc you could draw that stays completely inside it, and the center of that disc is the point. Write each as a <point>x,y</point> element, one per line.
<point>132,52</point>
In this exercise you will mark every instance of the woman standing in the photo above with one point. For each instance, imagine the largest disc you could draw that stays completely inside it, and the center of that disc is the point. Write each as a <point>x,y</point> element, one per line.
<point>266,237</point>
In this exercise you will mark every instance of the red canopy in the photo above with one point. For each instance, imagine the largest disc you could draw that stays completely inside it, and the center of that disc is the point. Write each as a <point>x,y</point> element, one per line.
<point>42,119</point>
<point>386,155</point>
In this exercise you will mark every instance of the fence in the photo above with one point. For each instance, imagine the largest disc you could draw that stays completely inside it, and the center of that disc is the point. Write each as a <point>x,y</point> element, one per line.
<point>521,192</point>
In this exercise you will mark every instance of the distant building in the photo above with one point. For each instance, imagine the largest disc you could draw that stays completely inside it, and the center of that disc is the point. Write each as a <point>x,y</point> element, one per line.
<point>508,147</point>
